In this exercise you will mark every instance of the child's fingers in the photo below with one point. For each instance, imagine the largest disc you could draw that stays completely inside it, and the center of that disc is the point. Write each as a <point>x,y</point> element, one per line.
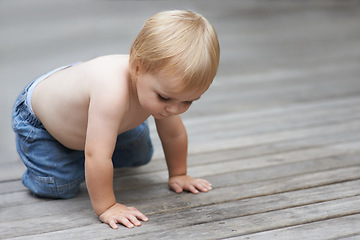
<point>176,187</point>
<point>124,221</point>
<point>192,189</point>
<point>120,214</point>
<point>113,224</point>
<point>207,183</point>
<point>203,182</point>
<point>129,222</point>
<point>138,214</point>
<point>203,185</point>
<point>134,221</point>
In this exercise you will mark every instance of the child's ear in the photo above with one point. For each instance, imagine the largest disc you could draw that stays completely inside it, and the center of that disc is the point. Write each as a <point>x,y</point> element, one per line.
<point>138,69</point>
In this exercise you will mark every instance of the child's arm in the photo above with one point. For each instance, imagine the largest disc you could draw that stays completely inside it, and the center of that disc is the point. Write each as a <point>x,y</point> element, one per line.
<point>174,141</point>
<point>102,129</point>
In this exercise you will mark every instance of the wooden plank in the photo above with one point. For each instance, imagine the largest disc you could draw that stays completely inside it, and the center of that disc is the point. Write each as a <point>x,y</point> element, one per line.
<point>278,139</point>
<point>15,171</point>
<point>337,228</point>
<point>307,137</point>
<point>315,138</point>
<point>205,213</point>
<point>249,126</point>
<point>290,116</point>
<point>246,141</point>
<point>249,163</point>
<point>165,202</point>
<point>221,228</point>
<point>219,181</point>
<point>11,187</point>
<point>275,220</point>
<point>353,236</point>
<point>322,76</point>
<point>318,136</point>
<point>287,164</point>
<point>345,151</point>
<point>21,201</point>
<point>11,170</point>
<point>258,78</point>
<point>277,111</point>
<point>279,94</point>
<point>237,127</point>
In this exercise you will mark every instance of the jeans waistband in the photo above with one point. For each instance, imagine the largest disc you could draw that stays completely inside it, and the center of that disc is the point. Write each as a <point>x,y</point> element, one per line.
<point>23,103</point>
<point>25,112</point>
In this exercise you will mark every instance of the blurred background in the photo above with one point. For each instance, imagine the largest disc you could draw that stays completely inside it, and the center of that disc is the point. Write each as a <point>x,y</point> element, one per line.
<point>259,40</point>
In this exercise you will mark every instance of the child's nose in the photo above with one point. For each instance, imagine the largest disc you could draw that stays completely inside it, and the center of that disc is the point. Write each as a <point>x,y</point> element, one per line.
<point>176,108</point>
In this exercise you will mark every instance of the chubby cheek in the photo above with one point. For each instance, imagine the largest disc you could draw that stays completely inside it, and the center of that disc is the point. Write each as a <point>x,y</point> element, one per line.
<point>150,105</point>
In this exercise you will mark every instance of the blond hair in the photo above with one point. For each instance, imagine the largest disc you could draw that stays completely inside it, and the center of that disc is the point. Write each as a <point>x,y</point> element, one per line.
<point>180,43</point>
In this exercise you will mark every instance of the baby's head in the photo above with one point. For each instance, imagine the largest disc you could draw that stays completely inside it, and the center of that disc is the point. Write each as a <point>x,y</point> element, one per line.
<point>179,44</point>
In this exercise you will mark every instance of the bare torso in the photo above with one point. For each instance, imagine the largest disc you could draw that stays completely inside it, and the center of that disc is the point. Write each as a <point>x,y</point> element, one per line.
<point>61,101</point>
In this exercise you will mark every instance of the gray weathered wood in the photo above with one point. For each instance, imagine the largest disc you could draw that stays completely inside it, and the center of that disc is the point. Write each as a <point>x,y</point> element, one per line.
<point>346,228</point>
<point>277,133</point>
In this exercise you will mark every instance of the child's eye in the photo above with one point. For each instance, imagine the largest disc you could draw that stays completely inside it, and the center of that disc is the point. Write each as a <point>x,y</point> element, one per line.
<point>163,99</point>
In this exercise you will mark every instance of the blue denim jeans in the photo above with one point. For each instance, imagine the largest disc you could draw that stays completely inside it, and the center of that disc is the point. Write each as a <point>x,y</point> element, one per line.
<point>55,171</point>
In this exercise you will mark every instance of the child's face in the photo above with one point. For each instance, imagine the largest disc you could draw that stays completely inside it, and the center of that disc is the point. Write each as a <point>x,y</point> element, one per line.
<point>159,97</point>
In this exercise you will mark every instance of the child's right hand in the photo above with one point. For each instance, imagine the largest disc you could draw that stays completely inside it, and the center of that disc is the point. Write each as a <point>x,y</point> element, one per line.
<point>127,216</point>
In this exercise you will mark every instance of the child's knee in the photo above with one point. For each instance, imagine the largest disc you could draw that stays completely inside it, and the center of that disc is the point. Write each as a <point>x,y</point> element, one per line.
<point>46,187</point>
<point>144,149</point>
<point>145,156</point>
<point>133,148</point>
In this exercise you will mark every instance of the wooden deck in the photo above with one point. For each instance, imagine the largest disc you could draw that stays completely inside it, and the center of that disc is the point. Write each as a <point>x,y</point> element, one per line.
<point>278,133</point>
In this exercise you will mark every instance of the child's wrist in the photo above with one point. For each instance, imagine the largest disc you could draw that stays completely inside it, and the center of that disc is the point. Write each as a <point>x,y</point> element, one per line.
<point>178,174</point>
<point>99,210</point>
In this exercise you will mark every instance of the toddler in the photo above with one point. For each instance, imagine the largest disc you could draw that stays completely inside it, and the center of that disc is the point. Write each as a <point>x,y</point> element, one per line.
<point>81,121</point>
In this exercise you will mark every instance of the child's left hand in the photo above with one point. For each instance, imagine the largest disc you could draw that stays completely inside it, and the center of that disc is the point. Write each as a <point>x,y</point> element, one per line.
<point>187,183</point>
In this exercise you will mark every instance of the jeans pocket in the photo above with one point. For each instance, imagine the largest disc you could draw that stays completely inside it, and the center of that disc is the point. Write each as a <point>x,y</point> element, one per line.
<point>43,186</point>
<point>46,180</point>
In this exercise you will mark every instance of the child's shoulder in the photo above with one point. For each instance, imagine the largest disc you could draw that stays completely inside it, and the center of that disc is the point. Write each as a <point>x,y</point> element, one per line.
<point>107,77</point>
<point>108,70</point>
<point>108,63</point>
<point>110,58</point>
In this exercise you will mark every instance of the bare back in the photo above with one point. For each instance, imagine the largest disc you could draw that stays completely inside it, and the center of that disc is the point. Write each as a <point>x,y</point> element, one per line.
<point>62,101</point>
